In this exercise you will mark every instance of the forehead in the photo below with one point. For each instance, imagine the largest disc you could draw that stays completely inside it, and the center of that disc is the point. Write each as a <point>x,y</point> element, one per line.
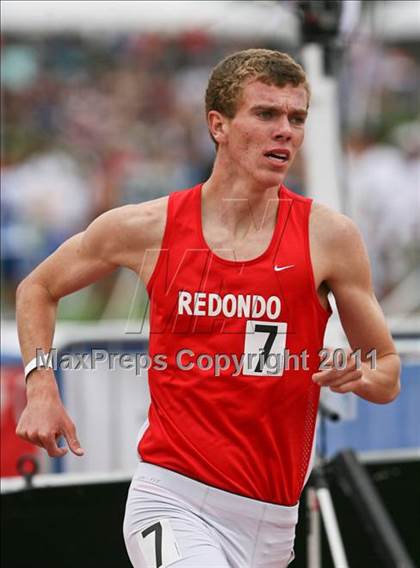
<point>258,93</point>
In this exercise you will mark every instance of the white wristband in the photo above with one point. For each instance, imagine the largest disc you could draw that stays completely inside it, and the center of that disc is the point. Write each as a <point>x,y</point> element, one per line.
<point>38,363</point>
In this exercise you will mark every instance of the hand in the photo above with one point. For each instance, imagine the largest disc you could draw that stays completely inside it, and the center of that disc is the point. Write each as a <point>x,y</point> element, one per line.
<point>341,381</point>
<point>44,420</point>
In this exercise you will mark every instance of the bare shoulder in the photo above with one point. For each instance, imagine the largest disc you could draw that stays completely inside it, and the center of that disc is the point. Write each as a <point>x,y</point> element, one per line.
<point>144,221</point>
<point>330,224</point>
<point>338,241</point>
<point>123,233</point>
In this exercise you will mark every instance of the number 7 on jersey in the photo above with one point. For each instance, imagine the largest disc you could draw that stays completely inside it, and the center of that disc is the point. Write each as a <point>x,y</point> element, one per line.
<point>265,342</point>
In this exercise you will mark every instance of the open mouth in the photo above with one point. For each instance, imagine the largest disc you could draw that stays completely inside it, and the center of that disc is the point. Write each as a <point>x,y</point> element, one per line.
<point>281,156</point>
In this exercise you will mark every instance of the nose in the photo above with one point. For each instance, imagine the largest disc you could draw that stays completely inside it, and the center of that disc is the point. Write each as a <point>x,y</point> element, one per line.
<point>283,130</point>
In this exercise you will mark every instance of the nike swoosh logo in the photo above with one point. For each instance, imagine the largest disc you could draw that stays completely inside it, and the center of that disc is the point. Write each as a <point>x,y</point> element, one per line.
<point>279,268</point>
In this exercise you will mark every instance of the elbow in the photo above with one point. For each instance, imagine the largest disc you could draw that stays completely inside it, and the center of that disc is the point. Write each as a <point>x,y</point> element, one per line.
<point>22,287</point>
<point>389,396</point>
<point>395,391</point>
<point>391,392</point>
<point>26,284</point>
<point>31,287</point>
<point>394,386</point>
<point>382,385</point>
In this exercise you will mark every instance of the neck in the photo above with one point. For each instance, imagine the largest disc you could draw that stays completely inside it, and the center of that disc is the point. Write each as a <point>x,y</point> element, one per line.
<point>235,199</point>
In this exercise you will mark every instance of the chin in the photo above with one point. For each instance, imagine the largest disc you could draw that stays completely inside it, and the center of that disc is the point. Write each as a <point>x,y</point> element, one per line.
<point>270,179</point>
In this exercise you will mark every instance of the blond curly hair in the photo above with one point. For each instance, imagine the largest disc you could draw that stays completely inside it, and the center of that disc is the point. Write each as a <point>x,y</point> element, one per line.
<point>229,77</point>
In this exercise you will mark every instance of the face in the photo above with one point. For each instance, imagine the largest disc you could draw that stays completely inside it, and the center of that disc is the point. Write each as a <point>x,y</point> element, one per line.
<point>263,137</point>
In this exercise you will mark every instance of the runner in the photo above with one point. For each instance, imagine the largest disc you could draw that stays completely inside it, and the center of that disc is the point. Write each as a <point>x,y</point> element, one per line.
<point>238,270</point>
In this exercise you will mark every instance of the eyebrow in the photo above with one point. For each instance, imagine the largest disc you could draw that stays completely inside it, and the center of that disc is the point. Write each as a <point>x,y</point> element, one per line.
<point>276,108</point>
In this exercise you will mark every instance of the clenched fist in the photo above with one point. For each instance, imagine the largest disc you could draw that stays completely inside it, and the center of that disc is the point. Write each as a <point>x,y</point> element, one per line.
<point>44,419</point>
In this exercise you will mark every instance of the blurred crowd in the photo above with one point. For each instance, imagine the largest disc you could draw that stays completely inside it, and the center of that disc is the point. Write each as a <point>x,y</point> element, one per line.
<point>93,124</point>
<point>90,125</point>
<point>381,123</point>
<point>384,201</point>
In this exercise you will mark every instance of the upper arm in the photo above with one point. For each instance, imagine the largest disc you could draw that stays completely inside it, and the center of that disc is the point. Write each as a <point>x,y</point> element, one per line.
<point>348,276</point>
<point>71,267</point>
<point>118,238</point>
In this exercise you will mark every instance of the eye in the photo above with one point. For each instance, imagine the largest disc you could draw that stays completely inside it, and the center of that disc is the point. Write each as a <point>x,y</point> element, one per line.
<point>297,120</point>
<point>265,114</point>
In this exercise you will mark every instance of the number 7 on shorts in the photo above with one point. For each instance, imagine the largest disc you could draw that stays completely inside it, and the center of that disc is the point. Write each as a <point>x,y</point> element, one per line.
<point>158,545</point>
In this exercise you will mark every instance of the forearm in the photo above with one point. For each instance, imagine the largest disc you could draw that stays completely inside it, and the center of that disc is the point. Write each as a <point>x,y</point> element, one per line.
<point>381,381</point>
<point>35,314</point>
<point>74,265</point>
<point>44,419</point>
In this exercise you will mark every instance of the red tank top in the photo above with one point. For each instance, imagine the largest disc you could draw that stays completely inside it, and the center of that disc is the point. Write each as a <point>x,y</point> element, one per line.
<point>245,424</point>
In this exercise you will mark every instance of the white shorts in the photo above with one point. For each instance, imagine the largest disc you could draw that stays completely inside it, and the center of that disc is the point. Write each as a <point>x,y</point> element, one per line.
<point>172,520</point>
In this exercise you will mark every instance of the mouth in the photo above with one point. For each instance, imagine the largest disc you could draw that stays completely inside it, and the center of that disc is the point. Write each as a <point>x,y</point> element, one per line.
<point>278,156</point>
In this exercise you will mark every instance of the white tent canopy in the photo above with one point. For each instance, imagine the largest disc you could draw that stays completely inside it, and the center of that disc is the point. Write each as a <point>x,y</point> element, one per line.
<point>269,20</point>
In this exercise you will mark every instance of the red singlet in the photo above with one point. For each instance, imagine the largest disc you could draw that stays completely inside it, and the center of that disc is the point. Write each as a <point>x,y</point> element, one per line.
<point>247,425</point>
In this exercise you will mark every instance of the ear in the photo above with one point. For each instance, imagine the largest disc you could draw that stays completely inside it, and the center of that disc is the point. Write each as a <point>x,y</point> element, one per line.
<point>217,125</point>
